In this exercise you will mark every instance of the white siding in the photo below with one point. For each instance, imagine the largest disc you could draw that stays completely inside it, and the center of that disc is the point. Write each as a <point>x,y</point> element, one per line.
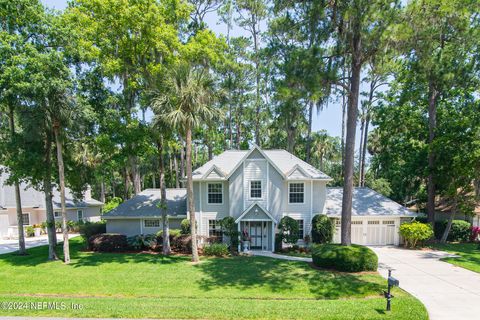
<point>255,170</point>
<point>235,190</point>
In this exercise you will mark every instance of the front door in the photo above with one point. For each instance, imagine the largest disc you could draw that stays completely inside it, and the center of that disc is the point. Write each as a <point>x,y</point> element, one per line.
<point>256,234</point>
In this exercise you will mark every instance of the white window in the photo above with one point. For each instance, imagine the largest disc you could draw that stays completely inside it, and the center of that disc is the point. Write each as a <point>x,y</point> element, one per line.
<point>215,193</point>
<point>57,214</point>
<point>152,223</point>
<point>300,229</point>
<point>214,229</point>
<point>296,192</point>
<point>79,215</point>
<point>256,189</point>
<point>26,218</point>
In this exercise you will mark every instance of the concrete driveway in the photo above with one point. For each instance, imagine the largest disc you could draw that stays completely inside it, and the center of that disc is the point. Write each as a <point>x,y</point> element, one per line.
<point>447,291</point>
<point>7,246</point>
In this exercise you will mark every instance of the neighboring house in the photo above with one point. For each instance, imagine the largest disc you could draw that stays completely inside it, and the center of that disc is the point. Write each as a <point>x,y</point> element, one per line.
<point>33,207</point>
<point>257,188</point>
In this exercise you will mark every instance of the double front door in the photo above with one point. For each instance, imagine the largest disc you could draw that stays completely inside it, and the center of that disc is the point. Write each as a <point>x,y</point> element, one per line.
<point>258,234</point>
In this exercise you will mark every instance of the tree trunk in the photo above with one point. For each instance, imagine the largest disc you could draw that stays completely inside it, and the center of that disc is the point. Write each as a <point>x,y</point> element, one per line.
<point>350,140</point>
<point>102,191</point>
<point>163,200</point>
<point>191,203</point>
<point>360,149</point>
<point>344,113</point>
<point>175,166</point>
<point>47,188</point>
<point>309,133</point>
<point>18,200</point>
<point>61,175</point>
<point>126,184</point>
<point>137,186</point>
<point>154,183</point>
<point>432,125</point>
<point>449,223</point>
<point>257,86</point>
<point>364,150</point>
<point>182,165</point>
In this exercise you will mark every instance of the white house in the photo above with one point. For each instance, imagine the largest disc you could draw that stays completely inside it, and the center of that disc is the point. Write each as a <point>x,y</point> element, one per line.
<point>257,188</point>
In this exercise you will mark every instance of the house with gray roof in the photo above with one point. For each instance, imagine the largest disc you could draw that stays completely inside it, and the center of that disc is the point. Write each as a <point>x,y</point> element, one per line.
<point>33,206</point>
<point>257,188</point>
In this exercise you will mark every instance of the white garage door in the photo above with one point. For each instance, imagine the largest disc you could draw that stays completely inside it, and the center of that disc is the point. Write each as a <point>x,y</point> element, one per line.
<point>380,232</point>
<point>370,232</point>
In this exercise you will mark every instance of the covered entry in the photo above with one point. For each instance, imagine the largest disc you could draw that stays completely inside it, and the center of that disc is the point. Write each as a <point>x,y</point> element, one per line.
<point>257,226</point>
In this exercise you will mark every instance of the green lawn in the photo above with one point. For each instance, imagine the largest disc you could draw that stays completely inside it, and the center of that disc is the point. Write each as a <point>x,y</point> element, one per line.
<point>469,254</point>
<point>153,286</point>
<point>296,254</point>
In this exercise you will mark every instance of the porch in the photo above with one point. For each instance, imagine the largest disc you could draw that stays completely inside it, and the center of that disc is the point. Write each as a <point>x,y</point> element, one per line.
<point>257,229</point>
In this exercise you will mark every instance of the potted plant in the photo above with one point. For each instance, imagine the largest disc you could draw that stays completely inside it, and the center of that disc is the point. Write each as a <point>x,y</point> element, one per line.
<point>29,231</point>
<point>43,225</point>
<point>37,230</point>
<point>245,240</point>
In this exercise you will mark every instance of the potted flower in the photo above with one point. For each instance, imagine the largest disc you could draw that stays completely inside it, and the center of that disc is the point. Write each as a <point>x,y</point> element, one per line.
<point>245,240</point>
<point>37,230</point>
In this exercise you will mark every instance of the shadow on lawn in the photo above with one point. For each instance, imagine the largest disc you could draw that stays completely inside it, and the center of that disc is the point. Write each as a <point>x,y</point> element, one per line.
<point>281,276</point>
<point>38,255</point>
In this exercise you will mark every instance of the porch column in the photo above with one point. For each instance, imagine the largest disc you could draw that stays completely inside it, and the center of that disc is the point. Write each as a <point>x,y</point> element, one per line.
<point>273,236</point>
<point>240,235</point>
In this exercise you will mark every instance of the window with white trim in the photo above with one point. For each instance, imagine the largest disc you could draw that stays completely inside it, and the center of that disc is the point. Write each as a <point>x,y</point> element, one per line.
<point>151,223</point>
<point>256,189</point>
<point>214,229</point>
<point>26,218</point>
<point>57,214</point>
<point>215,193</point>
<point>79,215</point>
<point>300,229</point>
<point>296,192</point>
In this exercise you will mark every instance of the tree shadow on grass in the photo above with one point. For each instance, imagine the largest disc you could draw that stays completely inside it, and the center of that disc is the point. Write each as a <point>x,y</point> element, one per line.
<point>282,276</point>
<point>79,258</point>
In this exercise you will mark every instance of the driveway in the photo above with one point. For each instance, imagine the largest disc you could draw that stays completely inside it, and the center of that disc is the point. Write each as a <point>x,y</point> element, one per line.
<point>447,291</point>
<point>7,246</point>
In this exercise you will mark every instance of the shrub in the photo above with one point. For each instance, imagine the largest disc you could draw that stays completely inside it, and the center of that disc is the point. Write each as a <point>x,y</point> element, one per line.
<point>460,230</point>
<point>278,242</point>
<point>74,226</point>
<point>89,229</point>
<point>171,233</point>
<point>230,230</point>
<point>288,228</point>
<point>415,232</point>
<point>353,258</point>
<point>30,231</point>
<point>216,249</point>
<point>475,234</point>
<point>185,226</point>
<point>323,229</point>
<point>422,219</point>
<point>141,241</point>
<point>108,242</point>
<point>182,243</point>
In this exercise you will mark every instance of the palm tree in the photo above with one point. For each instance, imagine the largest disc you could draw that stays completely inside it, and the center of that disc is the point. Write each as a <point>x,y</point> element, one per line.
<point>186,103</point>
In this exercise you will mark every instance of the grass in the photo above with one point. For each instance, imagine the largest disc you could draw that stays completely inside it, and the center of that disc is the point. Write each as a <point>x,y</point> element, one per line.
<point>155,286</point>
<point>296,254</point>
<point>469,254</point>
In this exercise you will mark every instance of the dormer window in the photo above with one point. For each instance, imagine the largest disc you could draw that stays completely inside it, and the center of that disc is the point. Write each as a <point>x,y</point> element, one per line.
<point>256,189</point>
<point>215,193</point>
<point>296,192</point>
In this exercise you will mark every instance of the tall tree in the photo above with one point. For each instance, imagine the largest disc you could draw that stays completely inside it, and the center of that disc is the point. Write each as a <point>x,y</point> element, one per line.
<point>186,105</point>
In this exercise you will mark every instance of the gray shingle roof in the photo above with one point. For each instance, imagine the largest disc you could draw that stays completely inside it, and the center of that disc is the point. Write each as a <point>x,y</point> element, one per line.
<point>366,202</point>
<point>145,204</point>
<point>227,161</point>
<point>34,198</point>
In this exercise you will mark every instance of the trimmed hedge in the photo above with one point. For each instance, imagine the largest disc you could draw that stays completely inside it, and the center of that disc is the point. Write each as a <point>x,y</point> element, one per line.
<point>216,249</point>
<point>89,229</point>
<point>460,231</point>
<point>108,242</point>
<point>353,258</point>
<point>323,229</point>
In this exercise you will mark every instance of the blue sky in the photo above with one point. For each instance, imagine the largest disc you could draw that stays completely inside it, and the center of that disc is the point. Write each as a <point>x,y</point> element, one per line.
<point>329,119</point>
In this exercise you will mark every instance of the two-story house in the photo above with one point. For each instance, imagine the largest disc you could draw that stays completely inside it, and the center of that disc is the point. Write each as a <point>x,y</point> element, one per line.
<point>257,188</point>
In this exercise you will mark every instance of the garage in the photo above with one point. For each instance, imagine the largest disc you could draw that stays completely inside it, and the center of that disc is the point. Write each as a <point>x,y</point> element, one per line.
<point>375,219</point>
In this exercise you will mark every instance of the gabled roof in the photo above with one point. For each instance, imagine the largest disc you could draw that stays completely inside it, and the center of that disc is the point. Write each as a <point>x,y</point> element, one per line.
<point>36,199</point>
<point>365,202</point>
<point>216,170</point>
<point>283,161</point>
<point>255,204</point>
<point>145,204</point>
